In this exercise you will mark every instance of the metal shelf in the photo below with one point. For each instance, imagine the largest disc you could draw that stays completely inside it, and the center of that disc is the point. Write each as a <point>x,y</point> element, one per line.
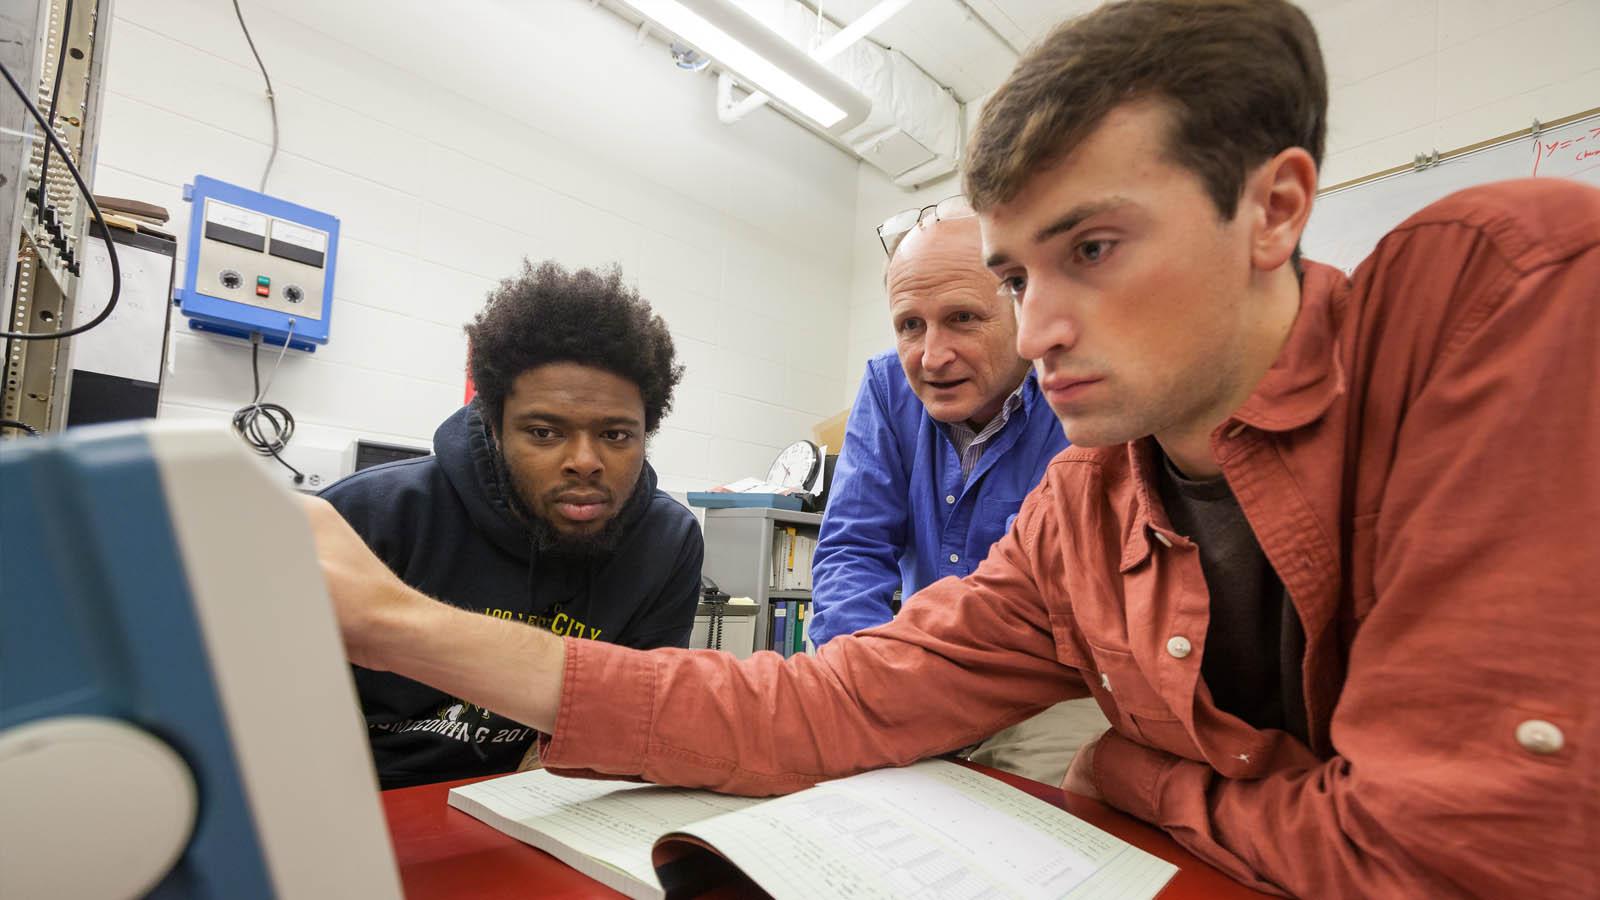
<point>739,555</point>
<point>786,516</point>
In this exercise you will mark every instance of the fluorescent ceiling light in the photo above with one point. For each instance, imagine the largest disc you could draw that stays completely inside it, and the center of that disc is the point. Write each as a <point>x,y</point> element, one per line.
<point>859,29</point>
<point>760,57</point>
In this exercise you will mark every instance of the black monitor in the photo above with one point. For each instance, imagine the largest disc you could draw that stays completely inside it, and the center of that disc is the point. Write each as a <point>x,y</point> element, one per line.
<point>376,453</point>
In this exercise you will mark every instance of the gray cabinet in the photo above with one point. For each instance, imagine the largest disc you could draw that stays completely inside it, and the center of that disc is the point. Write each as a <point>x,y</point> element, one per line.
<point>739,555</point>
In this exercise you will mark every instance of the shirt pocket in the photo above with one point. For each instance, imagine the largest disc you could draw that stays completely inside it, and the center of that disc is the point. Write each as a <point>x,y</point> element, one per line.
<point>1134,705</point>
<point>1363,565</point>
<point>999,514</point>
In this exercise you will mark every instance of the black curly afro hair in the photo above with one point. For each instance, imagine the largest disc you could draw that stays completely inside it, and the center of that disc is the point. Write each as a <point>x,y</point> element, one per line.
<point>546,314</point>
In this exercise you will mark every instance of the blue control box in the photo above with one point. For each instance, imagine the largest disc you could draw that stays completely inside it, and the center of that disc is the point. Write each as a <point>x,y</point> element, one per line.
<point>258,264</point>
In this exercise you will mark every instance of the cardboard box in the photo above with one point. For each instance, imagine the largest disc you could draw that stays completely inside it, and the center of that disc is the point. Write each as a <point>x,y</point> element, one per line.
<point>830,431</point>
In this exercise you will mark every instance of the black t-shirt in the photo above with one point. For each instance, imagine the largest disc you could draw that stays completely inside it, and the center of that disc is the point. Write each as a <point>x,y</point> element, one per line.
<point>1256,645</point>
<point>443,524</point>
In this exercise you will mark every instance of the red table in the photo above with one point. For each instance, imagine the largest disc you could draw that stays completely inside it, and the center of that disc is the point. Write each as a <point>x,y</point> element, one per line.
<point>444,852</point>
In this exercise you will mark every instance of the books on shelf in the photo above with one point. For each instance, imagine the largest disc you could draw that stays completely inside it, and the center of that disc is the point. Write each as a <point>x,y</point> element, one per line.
<point>931,829</point>
<point>792,552</point>
<point>789,626</point>
<point>789,589</point>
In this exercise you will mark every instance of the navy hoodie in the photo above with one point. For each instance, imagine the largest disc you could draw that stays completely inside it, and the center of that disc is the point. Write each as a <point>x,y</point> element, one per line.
<point>443,523</point>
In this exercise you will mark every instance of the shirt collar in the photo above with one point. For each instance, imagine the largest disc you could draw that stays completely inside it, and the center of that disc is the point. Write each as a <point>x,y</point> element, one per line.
<point>1028,391</point>
<point>1013,402</point>
<point>1136,542</point>
<point>1018,398</point>
<point>1306,377</point>
<point>1297,390</point>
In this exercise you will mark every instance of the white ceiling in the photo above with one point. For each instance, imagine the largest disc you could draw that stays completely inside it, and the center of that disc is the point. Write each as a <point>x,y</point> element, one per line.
<point>967,45</point>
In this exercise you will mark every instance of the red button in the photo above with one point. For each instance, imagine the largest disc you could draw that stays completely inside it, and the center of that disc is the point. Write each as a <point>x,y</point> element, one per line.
<point>263,291</point>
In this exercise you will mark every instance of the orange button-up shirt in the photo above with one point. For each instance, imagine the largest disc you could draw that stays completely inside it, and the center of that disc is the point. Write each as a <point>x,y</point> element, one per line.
<point>1421,466</point>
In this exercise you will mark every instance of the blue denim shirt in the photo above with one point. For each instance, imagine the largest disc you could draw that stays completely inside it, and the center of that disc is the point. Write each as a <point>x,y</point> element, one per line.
<point>900,514</point>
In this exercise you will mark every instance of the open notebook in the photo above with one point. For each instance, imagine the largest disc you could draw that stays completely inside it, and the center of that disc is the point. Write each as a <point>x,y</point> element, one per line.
<point>933,830</point>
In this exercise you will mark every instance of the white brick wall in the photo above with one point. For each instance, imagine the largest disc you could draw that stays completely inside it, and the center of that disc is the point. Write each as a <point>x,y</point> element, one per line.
<point>1405,77</point>
<point>876,200</point>
<point>453,144</point>
<point>1410,76</point>
<point>453,139</point>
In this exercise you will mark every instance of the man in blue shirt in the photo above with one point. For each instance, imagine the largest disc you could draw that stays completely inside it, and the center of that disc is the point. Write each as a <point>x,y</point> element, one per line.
<point>948,433</point>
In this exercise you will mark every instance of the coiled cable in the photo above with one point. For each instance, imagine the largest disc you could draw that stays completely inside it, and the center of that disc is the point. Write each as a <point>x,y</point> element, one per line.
<point>267,427</point>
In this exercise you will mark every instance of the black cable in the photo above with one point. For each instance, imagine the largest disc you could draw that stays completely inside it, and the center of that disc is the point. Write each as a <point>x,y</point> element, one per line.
<point>13,423</point>
<point>55,95</point>
<point>272,100</point>
<point>713,596</point>
<point>253,421</point>
<point>111,245</point>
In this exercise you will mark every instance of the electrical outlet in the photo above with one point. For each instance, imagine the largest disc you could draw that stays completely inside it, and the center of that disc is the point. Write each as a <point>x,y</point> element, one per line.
<point>322,465</point>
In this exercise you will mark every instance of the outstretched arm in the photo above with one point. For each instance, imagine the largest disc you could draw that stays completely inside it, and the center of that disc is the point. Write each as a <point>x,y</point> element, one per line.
<point>965,659</point>
<point>387,626</point>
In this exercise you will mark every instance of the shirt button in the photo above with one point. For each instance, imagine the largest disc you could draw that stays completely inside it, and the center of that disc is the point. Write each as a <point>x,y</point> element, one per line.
<point>949,498</point>
<point>1178,646</point>
<point>1105,682</point>
<point>955,557</point>
<point>1539,736</point>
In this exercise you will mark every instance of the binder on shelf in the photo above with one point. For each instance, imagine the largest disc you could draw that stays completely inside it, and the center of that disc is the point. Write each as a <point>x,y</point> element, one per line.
<point>780,625</point>
<point>789,550</point>
<point>802,615</point>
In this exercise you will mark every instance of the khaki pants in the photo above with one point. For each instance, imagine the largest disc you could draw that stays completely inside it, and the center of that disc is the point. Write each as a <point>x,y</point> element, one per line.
<point>1042,747</point>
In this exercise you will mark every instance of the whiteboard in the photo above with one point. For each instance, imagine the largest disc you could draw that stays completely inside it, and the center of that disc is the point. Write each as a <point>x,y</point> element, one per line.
<point>128,343</point>
<point>1346,224</point>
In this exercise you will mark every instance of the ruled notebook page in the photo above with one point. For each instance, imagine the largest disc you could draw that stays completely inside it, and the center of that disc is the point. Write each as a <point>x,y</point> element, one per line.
<point>583,822</point>
<point>934,830</point>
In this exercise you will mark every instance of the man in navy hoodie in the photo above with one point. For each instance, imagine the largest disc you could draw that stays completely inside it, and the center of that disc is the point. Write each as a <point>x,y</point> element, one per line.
<point>537,506</point>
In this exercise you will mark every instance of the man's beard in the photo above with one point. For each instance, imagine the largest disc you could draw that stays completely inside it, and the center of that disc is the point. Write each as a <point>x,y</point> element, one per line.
<point>550,540</point>
<point>596,545</point>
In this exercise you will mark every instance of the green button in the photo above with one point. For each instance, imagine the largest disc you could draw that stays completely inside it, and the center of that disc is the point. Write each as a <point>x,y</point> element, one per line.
<point>263,280</point>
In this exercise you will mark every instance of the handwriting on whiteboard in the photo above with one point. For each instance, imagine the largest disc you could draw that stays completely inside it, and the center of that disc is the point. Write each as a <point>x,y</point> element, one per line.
<point>1567,156</point>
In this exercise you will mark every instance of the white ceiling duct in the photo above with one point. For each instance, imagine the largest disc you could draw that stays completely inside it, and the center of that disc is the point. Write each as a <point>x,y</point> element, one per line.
<point>914,132</point>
